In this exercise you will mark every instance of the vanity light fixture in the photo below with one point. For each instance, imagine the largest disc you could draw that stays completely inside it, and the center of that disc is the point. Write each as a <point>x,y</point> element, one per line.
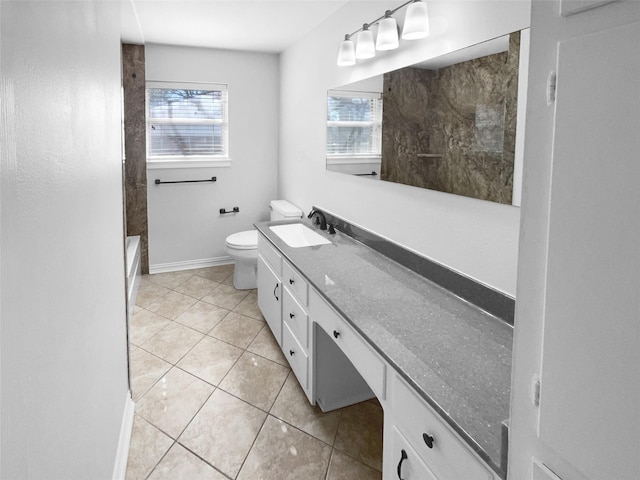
<point>347,52</point>
<point>365,48</point>
<point>416,25</point>
<point>416,21</point>
<point>387,33</point>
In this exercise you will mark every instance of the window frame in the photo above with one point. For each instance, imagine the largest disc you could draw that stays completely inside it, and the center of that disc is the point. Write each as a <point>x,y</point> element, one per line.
<point>188,161</point>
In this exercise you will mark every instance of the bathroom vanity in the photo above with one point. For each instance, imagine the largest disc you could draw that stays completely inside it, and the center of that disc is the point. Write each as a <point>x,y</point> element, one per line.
<point>354,323</point>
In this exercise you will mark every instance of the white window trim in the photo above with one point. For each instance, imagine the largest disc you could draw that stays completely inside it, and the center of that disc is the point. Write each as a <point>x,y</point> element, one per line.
<point>190,161</point>
<point>353,159</point>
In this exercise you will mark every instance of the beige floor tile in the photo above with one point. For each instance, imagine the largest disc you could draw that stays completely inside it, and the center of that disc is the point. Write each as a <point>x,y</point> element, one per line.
<point>173,401</point>
<point>150,293</point>
<point>344,467</point>
<point>210,359</point>
<point>249,306</point>
<point>228,280</point>
<point>266,346</point>
<point>282,452</point>
<point>181,464</point>
<point>146,370</point>
<point>172,342</point>
<point>197,286</point>
<point>255,380</point>
<point>217,274</point>
<point>172,305</point>
<point>225,296</point>
<point>223,432</point>
<point>360,433</point>
<point>293,407</point>
<point>171,279</point>
<point>144,325</point>
<point>237,330</point>
<point>202,316</point>
<point>148,445</point>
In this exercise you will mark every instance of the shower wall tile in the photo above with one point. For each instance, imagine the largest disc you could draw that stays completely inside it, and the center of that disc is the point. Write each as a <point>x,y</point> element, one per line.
<point>135,164</point>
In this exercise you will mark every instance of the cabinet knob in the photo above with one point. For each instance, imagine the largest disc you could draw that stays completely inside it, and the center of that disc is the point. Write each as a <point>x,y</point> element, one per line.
<point>403,457</point>
<point>291,352</point>
<point>291,315</point>
<point>336,333</point>
<point>428,439</point>
<point>291,281</point>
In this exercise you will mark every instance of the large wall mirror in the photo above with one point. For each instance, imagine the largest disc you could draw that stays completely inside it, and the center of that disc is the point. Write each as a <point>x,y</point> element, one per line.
<point>449,123</point>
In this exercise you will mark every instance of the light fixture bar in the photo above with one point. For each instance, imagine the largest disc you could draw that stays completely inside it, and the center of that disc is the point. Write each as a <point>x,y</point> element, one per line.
<point>381,17</point>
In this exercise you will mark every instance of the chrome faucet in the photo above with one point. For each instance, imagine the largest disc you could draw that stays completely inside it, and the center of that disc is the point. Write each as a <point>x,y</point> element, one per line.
<point>318,219</point>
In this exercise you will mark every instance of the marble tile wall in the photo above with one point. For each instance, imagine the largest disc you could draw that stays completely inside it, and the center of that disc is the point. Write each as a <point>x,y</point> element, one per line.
<point>453,129</point>
<point>135,181</point>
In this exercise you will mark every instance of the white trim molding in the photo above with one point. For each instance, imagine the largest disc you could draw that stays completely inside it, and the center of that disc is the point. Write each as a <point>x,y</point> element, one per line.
<point>189,264</point>
<point>122,455</point>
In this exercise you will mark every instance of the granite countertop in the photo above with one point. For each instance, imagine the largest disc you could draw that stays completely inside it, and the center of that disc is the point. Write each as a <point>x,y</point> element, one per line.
<point>455,355</point>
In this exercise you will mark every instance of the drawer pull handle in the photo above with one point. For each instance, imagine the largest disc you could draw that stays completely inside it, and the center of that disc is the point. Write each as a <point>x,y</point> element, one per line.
<point>428,439</point>
<point>274,292</point>
<point>336,333</point>
<point>291,281</point>
<point>403,457</point>
<point>291,315</point>
<point>291,352</point>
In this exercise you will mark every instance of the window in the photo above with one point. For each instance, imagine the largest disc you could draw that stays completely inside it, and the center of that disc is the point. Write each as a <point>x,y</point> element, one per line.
<point>186,124</point>
<point>354,125</point>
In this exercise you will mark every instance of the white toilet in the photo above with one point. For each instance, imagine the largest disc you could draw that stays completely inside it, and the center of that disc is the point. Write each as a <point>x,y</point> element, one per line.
<point>243,246</point>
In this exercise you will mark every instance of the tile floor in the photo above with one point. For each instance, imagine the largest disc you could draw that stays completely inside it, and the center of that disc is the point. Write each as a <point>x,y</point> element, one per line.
<point>216,399</point>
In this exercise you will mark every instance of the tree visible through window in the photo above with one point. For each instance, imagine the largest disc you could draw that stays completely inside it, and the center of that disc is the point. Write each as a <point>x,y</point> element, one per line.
<point>186,123</point>
<point>354,124</point>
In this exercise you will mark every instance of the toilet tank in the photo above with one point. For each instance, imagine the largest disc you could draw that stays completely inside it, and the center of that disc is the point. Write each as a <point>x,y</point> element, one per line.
<point>283,210</point>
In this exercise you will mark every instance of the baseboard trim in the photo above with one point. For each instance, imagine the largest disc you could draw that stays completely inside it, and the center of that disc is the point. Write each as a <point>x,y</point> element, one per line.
<point>122,456</point>
<point>189,264</point>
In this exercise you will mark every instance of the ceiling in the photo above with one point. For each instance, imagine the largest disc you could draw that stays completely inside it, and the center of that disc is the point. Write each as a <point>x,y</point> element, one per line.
<point>253,25</point>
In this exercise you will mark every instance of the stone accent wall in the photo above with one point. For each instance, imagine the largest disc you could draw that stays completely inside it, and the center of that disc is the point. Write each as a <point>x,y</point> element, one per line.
<point>133,81</point>
<point>453,129</point>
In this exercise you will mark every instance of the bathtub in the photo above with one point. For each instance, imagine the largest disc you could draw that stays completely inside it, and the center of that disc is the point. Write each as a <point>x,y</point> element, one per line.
<point>133,271</point>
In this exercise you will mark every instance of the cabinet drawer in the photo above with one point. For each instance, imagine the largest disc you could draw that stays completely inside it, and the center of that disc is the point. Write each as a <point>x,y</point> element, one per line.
<point>407,464</point>
<point>361,355</point>
<point>296,317</point>
<point>449,458</point>
<point>295,282</point>
<point>270,254</point>
<point>296,356</point>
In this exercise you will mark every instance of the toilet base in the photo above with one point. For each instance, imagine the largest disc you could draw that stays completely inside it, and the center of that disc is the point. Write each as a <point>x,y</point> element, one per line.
<point>245,275</point>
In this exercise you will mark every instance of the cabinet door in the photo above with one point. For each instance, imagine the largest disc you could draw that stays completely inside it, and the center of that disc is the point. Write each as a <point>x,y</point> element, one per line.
<point>590,389</point>
<point>270,298</point>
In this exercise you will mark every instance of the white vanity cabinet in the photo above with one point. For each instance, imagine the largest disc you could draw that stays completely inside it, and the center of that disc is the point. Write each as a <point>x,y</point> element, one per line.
<point>270,286</point>
<point>411,421</point>
<point>337,366</point>
<point>295,327</point>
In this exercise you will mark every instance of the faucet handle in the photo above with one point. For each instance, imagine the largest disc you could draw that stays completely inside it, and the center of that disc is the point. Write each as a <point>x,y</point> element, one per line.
<point>332,230</point>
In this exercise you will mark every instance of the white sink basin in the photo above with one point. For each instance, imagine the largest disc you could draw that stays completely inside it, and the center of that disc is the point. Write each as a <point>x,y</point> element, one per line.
<point>298,235</point>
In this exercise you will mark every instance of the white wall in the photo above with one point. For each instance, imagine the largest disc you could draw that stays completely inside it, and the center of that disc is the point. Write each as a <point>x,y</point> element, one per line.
<point>185,227</point>
<point>63,331</point>
<point>477,238</point>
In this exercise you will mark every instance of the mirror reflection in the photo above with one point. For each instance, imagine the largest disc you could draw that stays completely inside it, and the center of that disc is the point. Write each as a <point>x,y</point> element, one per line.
<point>448,124</point>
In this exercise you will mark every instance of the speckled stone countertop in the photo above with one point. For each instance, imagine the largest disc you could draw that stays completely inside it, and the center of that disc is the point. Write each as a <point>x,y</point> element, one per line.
<point>456,356</point>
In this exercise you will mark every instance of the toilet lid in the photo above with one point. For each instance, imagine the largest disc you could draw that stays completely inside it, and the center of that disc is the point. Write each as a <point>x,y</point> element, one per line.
<point>243,240</point>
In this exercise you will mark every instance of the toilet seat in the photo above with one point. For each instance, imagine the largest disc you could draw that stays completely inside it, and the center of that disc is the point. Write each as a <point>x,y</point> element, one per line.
<point>243,240</point>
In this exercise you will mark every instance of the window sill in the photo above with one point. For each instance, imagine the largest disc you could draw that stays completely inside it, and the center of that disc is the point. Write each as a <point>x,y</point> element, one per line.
<point>188,163</point>
<point>352,160</point>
